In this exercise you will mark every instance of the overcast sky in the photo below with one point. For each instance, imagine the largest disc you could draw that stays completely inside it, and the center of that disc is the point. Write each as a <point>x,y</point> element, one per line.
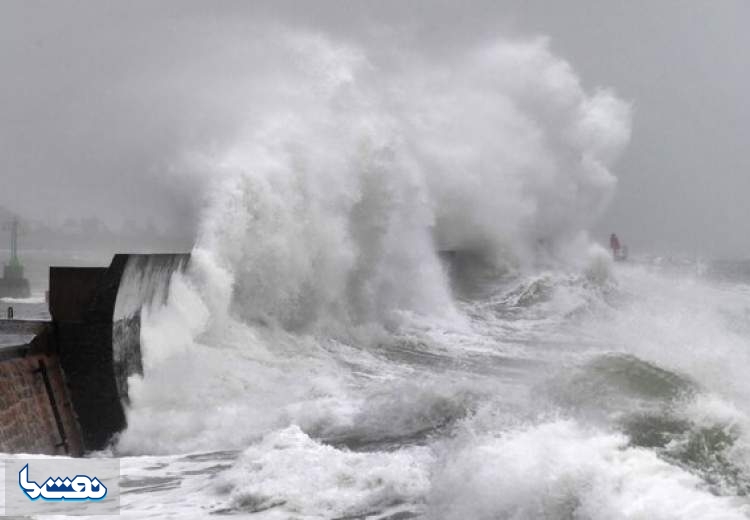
<point>96,98</point>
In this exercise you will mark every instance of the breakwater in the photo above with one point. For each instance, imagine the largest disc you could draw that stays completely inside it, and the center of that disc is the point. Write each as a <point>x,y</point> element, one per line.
<point>63,382</point>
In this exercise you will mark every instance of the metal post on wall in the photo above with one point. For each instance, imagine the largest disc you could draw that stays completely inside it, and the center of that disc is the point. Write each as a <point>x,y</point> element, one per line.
<point>42,370</point>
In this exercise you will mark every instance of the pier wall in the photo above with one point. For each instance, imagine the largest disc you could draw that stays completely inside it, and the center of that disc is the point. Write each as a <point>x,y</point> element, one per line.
<point>28,422</point>
<point>63,390</point>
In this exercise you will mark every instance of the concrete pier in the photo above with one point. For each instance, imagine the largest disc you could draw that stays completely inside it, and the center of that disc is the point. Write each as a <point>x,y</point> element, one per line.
<point>63,391</point>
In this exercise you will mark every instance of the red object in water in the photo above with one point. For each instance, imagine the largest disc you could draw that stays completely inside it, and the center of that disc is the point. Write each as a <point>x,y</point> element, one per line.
<point>614,243</point>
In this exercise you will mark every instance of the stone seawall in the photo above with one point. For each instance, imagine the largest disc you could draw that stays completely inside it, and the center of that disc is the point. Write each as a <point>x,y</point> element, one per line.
<point>63,383</point>
<point>36,415</point>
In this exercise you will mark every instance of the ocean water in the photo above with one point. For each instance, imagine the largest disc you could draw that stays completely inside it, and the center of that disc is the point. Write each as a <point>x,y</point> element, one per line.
<point>556,395</point>
<point>394,310</point>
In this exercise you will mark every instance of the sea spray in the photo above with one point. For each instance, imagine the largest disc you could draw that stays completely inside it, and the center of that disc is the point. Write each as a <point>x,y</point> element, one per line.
<point>326,213</point>
<point>318,330</point>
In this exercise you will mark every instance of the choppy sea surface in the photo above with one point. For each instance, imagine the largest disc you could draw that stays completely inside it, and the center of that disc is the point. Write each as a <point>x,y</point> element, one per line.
<point>620,394</point>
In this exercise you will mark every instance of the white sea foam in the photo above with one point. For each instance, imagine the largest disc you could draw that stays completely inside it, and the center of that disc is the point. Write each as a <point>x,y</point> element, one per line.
<point>290,473</point>
<point>561,470</point>
<point>329,206</point>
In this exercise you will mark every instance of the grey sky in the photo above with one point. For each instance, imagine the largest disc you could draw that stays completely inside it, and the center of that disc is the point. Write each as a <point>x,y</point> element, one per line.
<point>97,97</point>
